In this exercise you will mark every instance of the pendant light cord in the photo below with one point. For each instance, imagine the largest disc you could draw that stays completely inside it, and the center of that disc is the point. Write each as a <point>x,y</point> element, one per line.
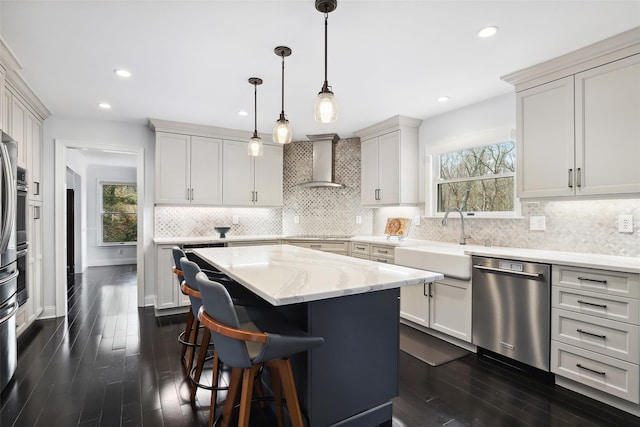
<point>255,110</point>
<point>282,113</point>
<point>326,20</point>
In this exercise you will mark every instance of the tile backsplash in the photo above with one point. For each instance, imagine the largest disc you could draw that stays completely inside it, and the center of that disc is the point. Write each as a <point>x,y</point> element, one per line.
<point>588,226</point>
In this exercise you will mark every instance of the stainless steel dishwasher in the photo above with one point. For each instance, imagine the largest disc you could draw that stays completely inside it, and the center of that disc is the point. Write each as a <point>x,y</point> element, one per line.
<point>511,309</point>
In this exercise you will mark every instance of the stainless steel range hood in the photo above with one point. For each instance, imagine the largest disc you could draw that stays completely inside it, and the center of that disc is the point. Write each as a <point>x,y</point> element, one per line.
<point>323,162</point>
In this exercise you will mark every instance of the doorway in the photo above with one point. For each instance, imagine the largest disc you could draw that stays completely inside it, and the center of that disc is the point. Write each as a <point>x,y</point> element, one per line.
<point>62,151</point>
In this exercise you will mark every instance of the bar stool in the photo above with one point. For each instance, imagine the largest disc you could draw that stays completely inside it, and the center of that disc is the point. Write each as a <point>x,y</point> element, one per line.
<point>247,347</point>
<point>188,337</point>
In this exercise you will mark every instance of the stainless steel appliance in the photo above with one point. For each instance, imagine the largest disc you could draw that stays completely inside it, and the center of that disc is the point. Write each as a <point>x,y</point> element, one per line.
<point>511,309</point>
<point>8,268</point>
<point>22,244</point>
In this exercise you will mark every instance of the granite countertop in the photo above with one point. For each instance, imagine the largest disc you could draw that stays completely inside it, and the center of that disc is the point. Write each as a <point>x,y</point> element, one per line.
<point>287,274</point>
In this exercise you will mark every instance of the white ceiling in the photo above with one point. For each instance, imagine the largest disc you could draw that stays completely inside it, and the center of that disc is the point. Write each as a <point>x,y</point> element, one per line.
<point>191,60</point>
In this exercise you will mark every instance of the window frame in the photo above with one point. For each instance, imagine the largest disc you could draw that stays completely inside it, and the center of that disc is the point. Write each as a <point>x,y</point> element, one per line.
<point>432,171</point>
<point>100,212</point>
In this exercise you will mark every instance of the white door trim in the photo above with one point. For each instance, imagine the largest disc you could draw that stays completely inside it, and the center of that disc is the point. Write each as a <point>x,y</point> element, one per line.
<point>60,243</point>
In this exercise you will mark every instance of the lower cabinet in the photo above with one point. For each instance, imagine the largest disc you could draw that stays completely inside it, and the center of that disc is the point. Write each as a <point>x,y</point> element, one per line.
<point>444,306</point>
<point>595,329</point>
<point>373,252</point>
<point>168,294</point>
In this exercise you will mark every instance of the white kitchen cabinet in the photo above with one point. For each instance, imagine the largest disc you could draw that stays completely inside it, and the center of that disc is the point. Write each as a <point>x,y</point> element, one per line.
<point>4,101</point>
<point>595,329</point>
<point>252,181</point>
<point>33,307</point>
<point>19,128</point>
<point>168,294</point>
<point>334,246</point>
<point>389,162</point>
<point>444,306</point>
<point>373,252</point>
<point>188,169</point>
<point>579,135</point>
<point>34,155</point>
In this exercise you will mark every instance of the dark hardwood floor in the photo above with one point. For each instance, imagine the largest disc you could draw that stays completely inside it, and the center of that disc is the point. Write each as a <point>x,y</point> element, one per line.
<point>109,363</point>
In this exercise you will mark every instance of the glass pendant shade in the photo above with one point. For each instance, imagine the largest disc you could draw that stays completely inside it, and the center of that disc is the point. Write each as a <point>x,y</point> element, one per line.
<point>282,131</point>
<point>255,147</point>
<point>326,107</point>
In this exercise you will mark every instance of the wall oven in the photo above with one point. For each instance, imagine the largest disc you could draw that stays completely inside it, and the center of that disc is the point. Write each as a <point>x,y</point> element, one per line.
<point>22,244</point>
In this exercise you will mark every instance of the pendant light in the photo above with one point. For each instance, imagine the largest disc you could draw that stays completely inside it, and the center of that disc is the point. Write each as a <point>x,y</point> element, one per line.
<point>255,147</point>
<point>326,107</point>
<point>282,129</point>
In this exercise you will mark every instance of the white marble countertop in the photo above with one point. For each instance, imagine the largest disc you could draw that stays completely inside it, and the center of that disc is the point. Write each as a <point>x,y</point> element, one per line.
<point>287,274</point>
<point>576,259</point>
<point>212,239</point>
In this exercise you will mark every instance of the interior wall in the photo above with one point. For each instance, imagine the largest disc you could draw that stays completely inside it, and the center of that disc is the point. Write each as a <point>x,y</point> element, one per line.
<point>129,136</point>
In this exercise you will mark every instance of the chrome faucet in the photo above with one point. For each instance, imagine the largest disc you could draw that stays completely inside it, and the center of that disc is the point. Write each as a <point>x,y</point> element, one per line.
<point>463,237</point>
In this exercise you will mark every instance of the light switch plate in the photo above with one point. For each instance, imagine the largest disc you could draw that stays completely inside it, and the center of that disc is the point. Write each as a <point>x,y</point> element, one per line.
<point>537,223</point>
<point>296,219</point>
<point>358,219</point>
<point>416,220</point>
<point>236,220</point>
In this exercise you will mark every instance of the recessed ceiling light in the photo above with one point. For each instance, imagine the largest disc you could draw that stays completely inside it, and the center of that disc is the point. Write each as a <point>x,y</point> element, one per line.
<point>242,113</point>
<point>487,31</point>
<point>442,98</point>
<point>104,105</point>
<point>120,72</point>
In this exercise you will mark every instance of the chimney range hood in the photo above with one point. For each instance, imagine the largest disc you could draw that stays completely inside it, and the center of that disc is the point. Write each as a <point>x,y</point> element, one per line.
<point>323,162</point>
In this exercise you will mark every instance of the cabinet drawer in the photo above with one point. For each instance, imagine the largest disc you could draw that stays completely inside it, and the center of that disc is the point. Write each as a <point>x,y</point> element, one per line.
<point>336,247</point>
<point>595,304</point>
<point>360,256</point>
<point>603,281</point>
<point>359,249</point>
<point>382,251</point>
<point>608,337</point>
<point>604,373</point>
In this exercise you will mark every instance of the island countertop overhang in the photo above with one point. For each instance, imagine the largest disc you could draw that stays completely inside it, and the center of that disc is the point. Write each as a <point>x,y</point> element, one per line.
<point>286,274</point>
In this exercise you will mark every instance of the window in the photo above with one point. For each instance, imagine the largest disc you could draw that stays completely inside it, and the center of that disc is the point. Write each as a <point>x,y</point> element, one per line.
<point>119,213</point>
<point>476,180</point>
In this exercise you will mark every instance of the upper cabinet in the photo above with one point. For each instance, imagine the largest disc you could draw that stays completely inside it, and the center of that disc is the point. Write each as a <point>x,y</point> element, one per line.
<point>208,166</point>
<point>188,169</point>
<point>389,162</point>
<point>578,133</point>
<point>252,181</point>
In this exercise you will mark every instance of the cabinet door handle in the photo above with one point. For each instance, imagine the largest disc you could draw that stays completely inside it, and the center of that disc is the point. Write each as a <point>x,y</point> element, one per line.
<point>256,196</point>
<point>580,331</point>
<point>586,279</point>
<point>578,178</point>
<point>37,189</point>
<point>187,195</point>
<point>590,370</point>
<point>570,178</point>
<point>192,194</point>
<point>36,212</point>
<point>592,303</point>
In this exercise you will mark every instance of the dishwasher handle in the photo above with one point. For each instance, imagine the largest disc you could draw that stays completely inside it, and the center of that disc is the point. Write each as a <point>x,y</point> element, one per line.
<point>501,270</point>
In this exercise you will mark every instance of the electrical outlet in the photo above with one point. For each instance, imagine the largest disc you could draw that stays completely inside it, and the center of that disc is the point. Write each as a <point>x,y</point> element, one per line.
<point>416,220</point>
<point>296,219</point>
<point>625,223</point>
<point>236,219</point>
<point>537,223</point>
<point>358,219</point>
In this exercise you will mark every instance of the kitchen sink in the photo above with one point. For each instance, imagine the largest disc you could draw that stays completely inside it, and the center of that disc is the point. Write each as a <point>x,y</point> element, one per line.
<point>444,258</point>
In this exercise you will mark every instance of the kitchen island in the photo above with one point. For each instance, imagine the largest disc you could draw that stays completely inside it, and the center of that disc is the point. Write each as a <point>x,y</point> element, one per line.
<point>352,303</point>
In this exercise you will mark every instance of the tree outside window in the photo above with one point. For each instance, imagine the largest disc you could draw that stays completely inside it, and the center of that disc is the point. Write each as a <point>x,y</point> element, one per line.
<point>479,179</point>
<point>119,213</point>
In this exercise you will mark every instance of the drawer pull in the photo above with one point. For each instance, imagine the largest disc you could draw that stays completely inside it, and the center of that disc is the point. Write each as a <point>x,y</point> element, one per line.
<point>592,303</point>
<point>586,279</point>
<point>382,260</point>
<point>590,370</point>
<point>604,337</point>
<point>315,246</point>
<point>382,251</point>
<point>360,248</point>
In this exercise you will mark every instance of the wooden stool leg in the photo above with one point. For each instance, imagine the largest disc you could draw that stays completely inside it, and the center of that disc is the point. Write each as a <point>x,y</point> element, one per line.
<point>187,333</point>
<point>290,393</point>
<point>276,383</point>
<point>232,394</point>
<point>214,391</point>
<point>194,341</point>
<point>248,379</point>
<point>202,354</point>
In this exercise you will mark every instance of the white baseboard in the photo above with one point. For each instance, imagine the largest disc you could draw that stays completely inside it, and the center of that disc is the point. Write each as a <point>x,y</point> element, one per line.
<point>107,262</point>
<point>48,313</point>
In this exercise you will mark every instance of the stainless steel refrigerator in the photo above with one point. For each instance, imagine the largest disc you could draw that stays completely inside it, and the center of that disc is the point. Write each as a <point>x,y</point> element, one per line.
<point>8,264</point>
